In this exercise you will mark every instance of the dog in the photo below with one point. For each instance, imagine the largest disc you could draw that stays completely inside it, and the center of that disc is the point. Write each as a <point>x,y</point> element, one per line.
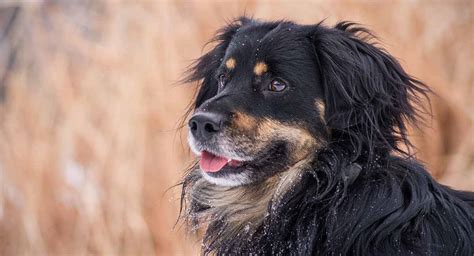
<point>301,133</point>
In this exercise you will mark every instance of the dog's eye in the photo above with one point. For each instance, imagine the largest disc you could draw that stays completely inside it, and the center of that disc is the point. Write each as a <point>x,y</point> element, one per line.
<point>277,85</point>
<point>222,80</point>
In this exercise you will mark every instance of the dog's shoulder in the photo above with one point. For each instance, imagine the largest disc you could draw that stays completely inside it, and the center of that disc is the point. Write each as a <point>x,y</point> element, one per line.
<point>387,208</point>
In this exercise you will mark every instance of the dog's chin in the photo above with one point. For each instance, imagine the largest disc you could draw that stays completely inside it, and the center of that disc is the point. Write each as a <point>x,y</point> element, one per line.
<point>228,180</point>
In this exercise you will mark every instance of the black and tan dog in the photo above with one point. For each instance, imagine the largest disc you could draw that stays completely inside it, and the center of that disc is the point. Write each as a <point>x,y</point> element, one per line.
<point>301,131</point>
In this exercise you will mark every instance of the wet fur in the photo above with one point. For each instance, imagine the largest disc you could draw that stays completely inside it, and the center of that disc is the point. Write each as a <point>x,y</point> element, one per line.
<point>359,192</point>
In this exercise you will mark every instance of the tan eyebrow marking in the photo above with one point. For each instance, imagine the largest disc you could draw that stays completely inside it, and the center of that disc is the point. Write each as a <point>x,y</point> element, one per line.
<point>260,68</point>
<point>230,63</point>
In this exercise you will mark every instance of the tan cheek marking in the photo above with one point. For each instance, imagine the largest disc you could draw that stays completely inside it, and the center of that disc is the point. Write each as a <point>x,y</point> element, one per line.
<point>260,68</point>
<point>321,109</point>
<point>304,142</point>
<point>230,63</point>
<point>265,130</point>
<point>244,121</point>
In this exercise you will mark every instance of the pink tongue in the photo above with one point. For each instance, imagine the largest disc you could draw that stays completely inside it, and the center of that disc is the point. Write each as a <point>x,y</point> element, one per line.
<point>211,163</point>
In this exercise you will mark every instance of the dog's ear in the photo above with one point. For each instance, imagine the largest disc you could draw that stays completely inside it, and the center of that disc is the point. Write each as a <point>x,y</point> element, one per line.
<point>368,96</point>
<point>203,69</point>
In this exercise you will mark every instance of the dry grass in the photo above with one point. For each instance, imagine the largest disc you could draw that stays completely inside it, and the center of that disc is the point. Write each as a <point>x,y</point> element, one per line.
<point>89,111</point>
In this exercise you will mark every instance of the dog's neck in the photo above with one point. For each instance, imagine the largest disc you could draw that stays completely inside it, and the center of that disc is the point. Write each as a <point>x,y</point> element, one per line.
<point>241,209</point>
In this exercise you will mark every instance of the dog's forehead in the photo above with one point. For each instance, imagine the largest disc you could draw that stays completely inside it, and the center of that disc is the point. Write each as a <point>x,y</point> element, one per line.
<point>245,46</point>
<point>256,47</point>
<point>251,35</point>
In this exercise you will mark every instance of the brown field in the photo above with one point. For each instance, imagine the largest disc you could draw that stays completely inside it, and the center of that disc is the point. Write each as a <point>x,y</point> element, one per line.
<point>89,110</point>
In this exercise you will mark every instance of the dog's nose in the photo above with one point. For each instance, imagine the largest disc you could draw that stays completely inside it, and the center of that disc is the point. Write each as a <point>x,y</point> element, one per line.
<point>205,125</point>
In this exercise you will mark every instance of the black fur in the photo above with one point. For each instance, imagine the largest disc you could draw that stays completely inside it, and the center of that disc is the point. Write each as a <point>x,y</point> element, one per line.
<point>363,194</point>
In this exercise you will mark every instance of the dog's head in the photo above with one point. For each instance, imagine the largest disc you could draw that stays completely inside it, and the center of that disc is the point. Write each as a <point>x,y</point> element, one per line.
<point>272,93</point>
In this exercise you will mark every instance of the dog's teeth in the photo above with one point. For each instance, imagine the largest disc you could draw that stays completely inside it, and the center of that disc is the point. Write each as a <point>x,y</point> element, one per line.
<point>228,160</point>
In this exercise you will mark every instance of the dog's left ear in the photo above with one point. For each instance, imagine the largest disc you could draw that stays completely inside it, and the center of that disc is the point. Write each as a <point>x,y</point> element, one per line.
<point>204,68</point>
<point>368,96</point>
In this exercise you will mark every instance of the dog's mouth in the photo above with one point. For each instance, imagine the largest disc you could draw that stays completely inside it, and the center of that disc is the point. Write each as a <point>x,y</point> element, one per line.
<point>220,165</point>
<point>211,163</point>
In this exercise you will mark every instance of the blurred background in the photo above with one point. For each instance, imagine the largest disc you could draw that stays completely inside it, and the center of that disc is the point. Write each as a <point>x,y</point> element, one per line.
<point>90,108</point>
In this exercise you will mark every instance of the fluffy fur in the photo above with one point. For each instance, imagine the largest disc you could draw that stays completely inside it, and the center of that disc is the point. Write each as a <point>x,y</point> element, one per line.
<point>329,172</point>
